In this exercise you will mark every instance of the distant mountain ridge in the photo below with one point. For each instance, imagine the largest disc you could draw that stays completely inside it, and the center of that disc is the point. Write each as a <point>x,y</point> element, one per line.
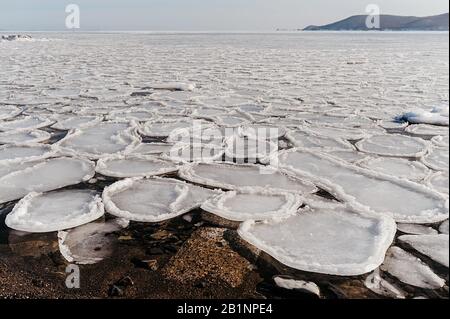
<point>388,22</point>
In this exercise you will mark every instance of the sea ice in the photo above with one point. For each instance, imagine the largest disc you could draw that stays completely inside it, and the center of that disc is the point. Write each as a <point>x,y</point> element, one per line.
<point>20,153</point>
<point>291,284</point>
<point>77,122</point>
<point>437,159</point>
<point>416,229</point>
<point>304,138</point>
<point>49,212</point>
<point>441,141</point>
<point>330,239</point>
<point>239,177</point>
<point>439,181</point>
<point>406,201</point>
<point>393,145</point>
<point>427,130</point>
<point>241,148</point>
<point>120,166</point>
<point>399,167</point>
<point>188,153</point>
<point>152,148</point>
<point>153,200</point>
<point>9,112</point>
<point>347,155</point>
<point>26,123</point>
<point>410,270</point>
<point>444,227</point>
<point>253,205</point>
<point>175,86</point>
<point>163,128</point>
<point>434,246</point>
<point>382,287</point>
<point>437,116</point>
<point>24,137</point>
<point>44,176</point>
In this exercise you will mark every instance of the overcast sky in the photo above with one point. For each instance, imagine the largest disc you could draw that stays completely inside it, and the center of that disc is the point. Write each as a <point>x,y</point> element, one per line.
<point>199,15</point>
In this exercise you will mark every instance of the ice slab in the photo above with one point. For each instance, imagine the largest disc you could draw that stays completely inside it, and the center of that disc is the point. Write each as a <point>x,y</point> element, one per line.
<point>308,139</point>
<point>163,128</point>
<point>24,137</point>
<point>253,205</point>
<point>20,153</point>
<point>90,243</point>
<point>436,116</point>
<point>77,122</point>
<point>44,176</point>
<point>399,167</point>
<point>393,125</point>
<point>393,145</point>
<point>444,227</point>
<point>406,201</point>
<point>329,239</point>
<point>347,155</point>
<point>134,166</point>
<point>434,246</point>
<point>198,153</point>
<point>382,287</point>
<point>9,112</point>
<point>241,148</point>
<point>437,159</point>
<point>239,177</point>
<point>153,200</point>
<point>410,270</point>
<point>427,130</point>
<point>106,138</point>
<point>152,148</point>
<point>415,229</point>
<point>26,123</point>
<point>439,181</point>
<point>344,133</point>
<point>291,284</point>
<point>44,213</point>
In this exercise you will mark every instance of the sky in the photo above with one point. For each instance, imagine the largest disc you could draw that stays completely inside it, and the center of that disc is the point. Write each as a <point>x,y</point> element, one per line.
<point>199,15</point>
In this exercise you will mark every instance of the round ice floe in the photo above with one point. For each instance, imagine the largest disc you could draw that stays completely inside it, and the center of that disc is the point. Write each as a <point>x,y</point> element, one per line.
<point>444,227</point>
<point>134,166</point>
<point>9,111</point>
<point>139,115</point>
<point>406,201</point>
<point>437,159</point>
<point>439,181</point>
<point>163,128</point>
<point>198,153</point>
<point>20,153</point>
<point>410,270</point>
<point>239,177</point>
<point>106,138</point>
<point>26,123</point>
<point>309,140</point>
<point>393,145</point>
<point>415,229</point>
<point>152,148</point>
<point>249,148</point>
<point>77,122</point>
<point>434,246</point>
<point>153,200</point>
<point>256,205</point>
<point>42,213</point>
<point>427,130</point>
<point>328,239</point>
<point>24,137</point>
<point>398,167</point>
<point>88,244</point>
<point>43,176</point>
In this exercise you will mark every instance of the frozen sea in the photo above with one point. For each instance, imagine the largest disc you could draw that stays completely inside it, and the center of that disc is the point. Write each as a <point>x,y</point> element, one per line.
<point>100,129</point>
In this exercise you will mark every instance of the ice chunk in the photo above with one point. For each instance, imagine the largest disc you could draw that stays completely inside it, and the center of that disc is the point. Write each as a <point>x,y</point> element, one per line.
<point>309,140</point>
<point>444,227</point>
<point>44,176</point>
<point>9,111</point>
<point>439,181</point>
<point>152,148</point>
<point>291,284</point>
<point>88,244</point>
<point>382,287</point>
<point>393,145</point>
<point>410,270</point>
<point>427,130</point>
<point>43,213</point>
<point>399,167</point>
<point>253,205</point>
<point>238,177</point>
<point>24,137</point>
<point>134,166</point>
<point>437,116</point>
<point>153,200</point>
<point>329,239</point>
<point>26,123</point>
<point>437,159</point>
<point>434,246</point>
<point>163,128</point>
<point>416,229</point>
<point>106,138</point>
<point>406,201</point>
<point>77,122</point>
<point>20,153</point>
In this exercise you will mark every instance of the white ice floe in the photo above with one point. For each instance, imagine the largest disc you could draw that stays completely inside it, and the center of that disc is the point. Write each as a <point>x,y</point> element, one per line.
<point>197,153</point>
<point>175,86</point>
<point>439,181</point>
<point>153,200</point>
<point>241,148</point>
<point>406,201</point>
<point>164,128</point>
<point>49,212</point>
<point>330,239</point>
<point>90,243</point>
<point>26,123</point>
<point>434,246</point>
<point>263,132</point>
<point>427,130</point>
<point>231,121</point>
<point>416,229</point>
<point>24,137</point>
<point>382,287</point>
<point>393,125</point>
<point>133,114</point>
<point>441,141</point>
<point>444,227</point>
<point>393,145</point>
<point>44,176</point>
<point>77,122</point>
<point>120,166</point>
<point>9,112</point>
<point>436,116</point>
<point>152,148</point>
<point>304,138</point>
<point>292,284</point>
<point>347,155</point>
<point>20,153</point>
<point>241,177</point>
<point>399,167</point>
<point>437,159</point>
<point>410,270</point>
<point>104,139</point>
<point>253,205</point>
<point>344,133</point>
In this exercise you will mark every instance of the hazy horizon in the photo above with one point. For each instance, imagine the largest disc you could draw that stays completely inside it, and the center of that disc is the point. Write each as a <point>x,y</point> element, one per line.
<point>199,15</point>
